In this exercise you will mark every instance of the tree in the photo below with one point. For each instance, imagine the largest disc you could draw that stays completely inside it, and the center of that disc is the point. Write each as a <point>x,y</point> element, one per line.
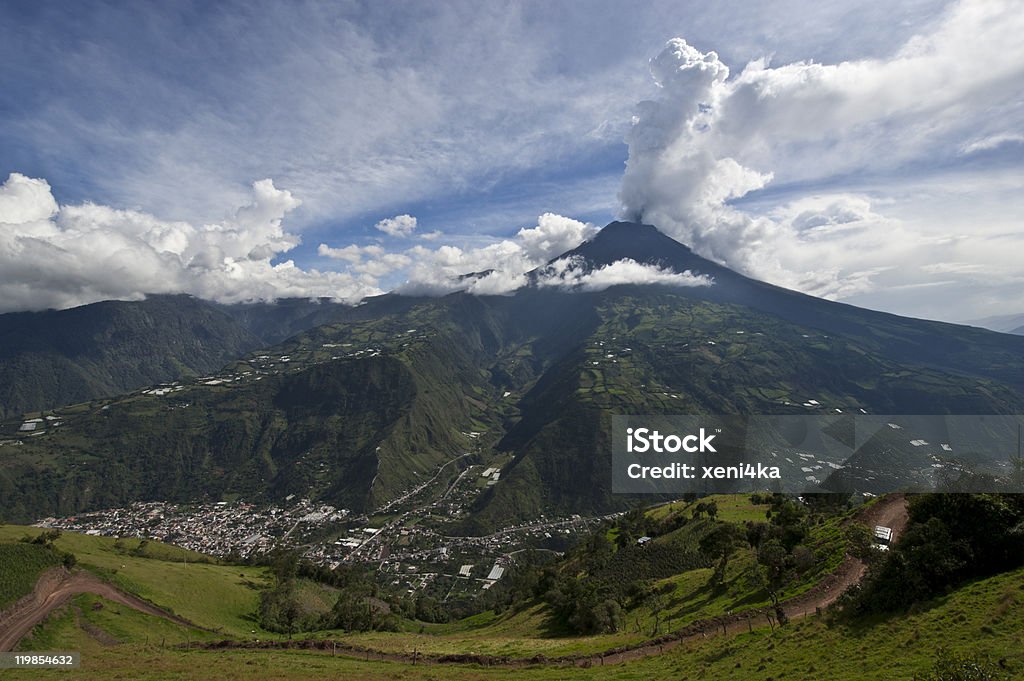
<point>776,570</point>
<point>284,565</point>
<point>719,545</point>
<point>709,508</point>
<point>791,518</point>
<point>860,542</point>
<point>353,610</point>
<point>47,537</point>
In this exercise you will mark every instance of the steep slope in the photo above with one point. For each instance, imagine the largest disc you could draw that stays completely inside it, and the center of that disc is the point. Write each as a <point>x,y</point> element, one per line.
<point>662,352</point>
<point>946,346</point>
<point>739,346</point>
<point>61,357</point>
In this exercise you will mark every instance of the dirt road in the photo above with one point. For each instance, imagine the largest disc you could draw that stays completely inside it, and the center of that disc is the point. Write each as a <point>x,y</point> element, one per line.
<point>55,588</point>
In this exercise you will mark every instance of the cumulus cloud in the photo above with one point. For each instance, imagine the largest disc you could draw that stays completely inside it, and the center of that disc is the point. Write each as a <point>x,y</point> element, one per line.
<point>707,150</point>
<point>353,254</point>
<point>400,225</point>
<point>574,274</point>
<point>25,200</point>
<point>61,256</point>
<point>497,268</point>
<point>553,236</point>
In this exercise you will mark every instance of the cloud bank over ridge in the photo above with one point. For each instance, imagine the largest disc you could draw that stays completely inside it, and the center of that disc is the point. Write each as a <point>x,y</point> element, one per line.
<point>63,256</point>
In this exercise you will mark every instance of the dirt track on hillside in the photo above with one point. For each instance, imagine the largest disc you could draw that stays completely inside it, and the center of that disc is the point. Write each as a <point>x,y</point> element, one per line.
<point>55,588</point>
<point>890,511</point>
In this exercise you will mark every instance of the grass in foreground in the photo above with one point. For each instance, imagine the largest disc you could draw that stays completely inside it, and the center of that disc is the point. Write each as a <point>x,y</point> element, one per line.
<point>211,595</point>
<point>985,617</point>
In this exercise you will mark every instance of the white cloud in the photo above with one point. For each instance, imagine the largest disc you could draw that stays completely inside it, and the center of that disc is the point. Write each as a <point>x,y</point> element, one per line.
<point>706,152</point>
<point>400,225</point>
<point>501,266</point>
<point>353,253</point>
<point>573,274</point>
<point>62,256</point>
<point>25,200</point>
<point>382,265</point>
<point>553,236</point>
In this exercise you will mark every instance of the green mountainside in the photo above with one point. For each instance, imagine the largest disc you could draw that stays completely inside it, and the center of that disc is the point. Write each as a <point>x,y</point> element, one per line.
<point>59,357</point>
<point>357,411</point>
<point>53,358</point>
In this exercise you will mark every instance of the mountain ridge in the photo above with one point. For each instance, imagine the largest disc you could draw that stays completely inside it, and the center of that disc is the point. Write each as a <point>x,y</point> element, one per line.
<point>537,374</point>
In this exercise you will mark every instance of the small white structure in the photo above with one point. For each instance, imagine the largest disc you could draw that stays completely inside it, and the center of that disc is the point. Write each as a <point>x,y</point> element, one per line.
<point>496,572</point>
<point>883,537</point>
<point>465,570</point>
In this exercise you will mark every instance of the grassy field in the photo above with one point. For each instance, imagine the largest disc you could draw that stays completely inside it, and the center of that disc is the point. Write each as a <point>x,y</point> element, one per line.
<point>213,596</point>
<point>20,567</point>
<point>732,508</point>
<point>985,617</point>
<point>92,623</point>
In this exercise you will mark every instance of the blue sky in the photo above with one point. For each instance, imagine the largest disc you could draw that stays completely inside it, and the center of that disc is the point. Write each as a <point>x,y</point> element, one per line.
<point>150,119</point>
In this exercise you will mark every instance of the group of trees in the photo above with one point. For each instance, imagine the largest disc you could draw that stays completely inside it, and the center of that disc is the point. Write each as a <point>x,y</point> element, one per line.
<point>46,539</point>
<point>779,545</point>
<point>949,539</point>
<point>609,573</point>
<point>357,606</point>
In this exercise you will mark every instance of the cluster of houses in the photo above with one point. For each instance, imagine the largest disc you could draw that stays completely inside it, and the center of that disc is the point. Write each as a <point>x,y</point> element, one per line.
<point>218,529</point>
